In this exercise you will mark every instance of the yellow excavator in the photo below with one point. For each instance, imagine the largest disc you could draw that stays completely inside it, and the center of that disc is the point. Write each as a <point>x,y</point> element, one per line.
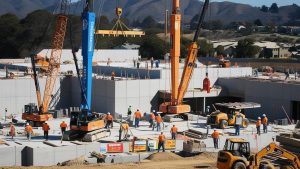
<point>236,155</point>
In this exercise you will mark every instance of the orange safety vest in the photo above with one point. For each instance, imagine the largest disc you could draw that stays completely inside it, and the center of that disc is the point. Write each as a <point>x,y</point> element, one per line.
<point>109,117</point>
<point>46,127</point>
<point>265,120</point>
<point>63,125</point>
<point>258,123</point>
<point>161,137</point>
<point>28,129</point>
<point>138,115</point>
<point>215,134</point>
<point>174,129</point>
<point>158,119</point>
<point>152,116</point>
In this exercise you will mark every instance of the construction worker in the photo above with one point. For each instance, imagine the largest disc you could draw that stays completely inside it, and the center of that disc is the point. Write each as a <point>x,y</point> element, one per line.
<point>109,120</point>
<point>28,131</point>
<point>264,122</point>
<point>216,135</point>
<point>238,123</point>
<point>129,112</point>
<point>12,130</point>
<point>46,129</point>
<point>151,119</point>
<point>63,127</point>
<point>158,120</point>
<point>258,123</point>
<point>113,75</point>
<point>161,141</point>
<point>137,118</point>
<point>173,132</point>
<point>125,128</point>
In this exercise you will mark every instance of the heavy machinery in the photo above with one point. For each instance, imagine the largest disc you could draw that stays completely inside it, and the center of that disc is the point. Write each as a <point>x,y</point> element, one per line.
<point>236,155</point>
<point>227,112</point>
<point>39,114</point>
<point>176,106</point>
<point>86,124</point>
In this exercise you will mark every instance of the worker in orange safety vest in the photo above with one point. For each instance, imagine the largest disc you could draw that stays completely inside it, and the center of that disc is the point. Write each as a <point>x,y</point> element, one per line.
<point>12,130</point>
<point>137,118</point>
<point>258,123</point>
<point>264,122</point>
<point>174,132</point>
<point>158,120</point>
<point>46,129</point>
<point>161,141</point>
<point>109,120</point>
<point>29,131</point>
<point>216,135</point>
<point>63,127</point>
<point>151,119</point>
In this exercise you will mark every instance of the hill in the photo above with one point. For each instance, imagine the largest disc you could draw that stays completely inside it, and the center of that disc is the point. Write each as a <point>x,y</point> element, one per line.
<point>139,9</point>
<point>21,8</point>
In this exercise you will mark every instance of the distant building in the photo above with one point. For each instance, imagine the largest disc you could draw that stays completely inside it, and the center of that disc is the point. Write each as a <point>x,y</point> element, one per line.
<point>268,49</point>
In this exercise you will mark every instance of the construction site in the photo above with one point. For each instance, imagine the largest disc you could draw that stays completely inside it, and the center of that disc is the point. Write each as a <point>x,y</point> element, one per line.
<point>108,108</point>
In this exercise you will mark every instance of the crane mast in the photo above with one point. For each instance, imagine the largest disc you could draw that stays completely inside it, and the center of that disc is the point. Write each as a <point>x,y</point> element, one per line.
<point>176,106</point>
<point>88,30</point>
<point>40,115</point>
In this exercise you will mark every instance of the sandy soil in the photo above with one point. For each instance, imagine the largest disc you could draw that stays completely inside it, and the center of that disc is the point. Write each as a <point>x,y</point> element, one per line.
<point>157,161</point>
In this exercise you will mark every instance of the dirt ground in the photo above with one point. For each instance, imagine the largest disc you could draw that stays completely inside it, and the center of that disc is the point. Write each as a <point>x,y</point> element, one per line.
<point>156,161</point>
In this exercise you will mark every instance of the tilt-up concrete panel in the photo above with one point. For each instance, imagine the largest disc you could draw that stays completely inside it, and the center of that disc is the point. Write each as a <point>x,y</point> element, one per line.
<point>64,153</point>
<point>7,156</point>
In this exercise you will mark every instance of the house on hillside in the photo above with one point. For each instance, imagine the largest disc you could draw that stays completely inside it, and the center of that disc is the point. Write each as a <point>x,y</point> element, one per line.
<point>229,47</point>
<point>274,50</point>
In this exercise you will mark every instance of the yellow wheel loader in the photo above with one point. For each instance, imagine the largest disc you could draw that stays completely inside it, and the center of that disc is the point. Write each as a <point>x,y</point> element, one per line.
<point>226,114</point>
<point>236,155</point>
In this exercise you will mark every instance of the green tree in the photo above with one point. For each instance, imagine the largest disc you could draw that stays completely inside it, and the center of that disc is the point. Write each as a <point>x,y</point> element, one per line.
<point>220,50</point>
<point>152,46</point>
<point>9,28</point>
<point>264,8</point>
<point>246,48</point>
<point>206,49</point>
<point>274,8</point>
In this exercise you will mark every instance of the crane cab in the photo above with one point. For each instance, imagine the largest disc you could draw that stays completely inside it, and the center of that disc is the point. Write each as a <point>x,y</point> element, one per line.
<point>33,116</point>
<point>86,122</point>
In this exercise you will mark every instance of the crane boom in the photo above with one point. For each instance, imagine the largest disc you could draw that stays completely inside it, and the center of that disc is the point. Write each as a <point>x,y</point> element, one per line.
<point>54,61</point>
<point>191,57</point>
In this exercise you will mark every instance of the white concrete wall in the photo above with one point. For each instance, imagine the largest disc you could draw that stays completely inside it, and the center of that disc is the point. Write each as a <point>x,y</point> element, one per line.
<point>271,95</point>
<point>116,55</point>
<point>15,93</point>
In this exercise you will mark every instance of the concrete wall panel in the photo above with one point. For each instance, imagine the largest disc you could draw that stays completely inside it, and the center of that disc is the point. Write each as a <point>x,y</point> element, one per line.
<point>7,156</point>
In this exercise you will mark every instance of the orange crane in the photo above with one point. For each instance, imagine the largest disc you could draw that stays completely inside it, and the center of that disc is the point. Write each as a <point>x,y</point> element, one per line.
<point>176,106</point>
<point>38,115</point>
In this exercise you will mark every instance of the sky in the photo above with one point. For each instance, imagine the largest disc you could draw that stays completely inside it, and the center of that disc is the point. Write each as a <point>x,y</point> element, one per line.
<point>263,2</point>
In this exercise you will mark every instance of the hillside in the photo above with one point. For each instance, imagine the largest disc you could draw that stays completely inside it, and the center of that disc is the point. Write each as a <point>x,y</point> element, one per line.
<point>22,7</point>
<point>139,9</point>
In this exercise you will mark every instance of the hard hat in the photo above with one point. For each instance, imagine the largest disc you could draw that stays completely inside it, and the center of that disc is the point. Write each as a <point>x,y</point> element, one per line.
<point>264,115</point>
<point>108,113</point>
<point>27,124</point>
<point>258,118</point>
